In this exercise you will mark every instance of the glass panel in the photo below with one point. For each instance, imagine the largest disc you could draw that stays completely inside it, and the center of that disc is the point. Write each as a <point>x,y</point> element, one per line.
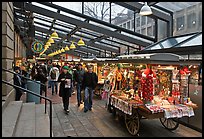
<point>149,20</point>
<point>124,25</point>
<point>71,15</point>
<point>42,26</point>
<point>75,6</point>
<point>138,22</point>
<point>143,20</point>
<point>98,10</point>
<point>128,25</point>
<point>169,42</point>
<point>180,23</point>
<point>173,41</point>
<point>64,24</point>
<point>200,18</point>
<point>191,20</point>
<point>144,31</point>
<point>132,24</point>
<point>162,30</point>
<point>121,15</point>
<point>101,25</point>
<point>193,42</point>
<point>43,22</point>
<point>44,6</point>
<point>149,31</point>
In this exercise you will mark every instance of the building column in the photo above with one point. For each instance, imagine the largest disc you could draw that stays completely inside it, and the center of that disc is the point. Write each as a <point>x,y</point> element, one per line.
<point>7,48</point>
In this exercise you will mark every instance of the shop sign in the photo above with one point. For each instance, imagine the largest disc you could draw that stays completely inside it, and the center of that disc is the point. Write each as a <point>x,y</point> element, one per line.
<point>37,46</point>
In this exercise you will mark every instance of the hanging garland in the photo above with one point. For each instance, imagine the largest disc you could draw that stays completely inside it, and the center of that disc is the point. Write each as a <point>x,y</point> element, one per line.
<point>146,85</point>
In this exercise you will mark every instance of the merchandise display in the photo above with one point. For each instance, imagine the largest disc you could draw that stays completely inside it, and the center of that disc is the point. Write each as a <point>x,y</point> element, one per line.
<point>158,88</point>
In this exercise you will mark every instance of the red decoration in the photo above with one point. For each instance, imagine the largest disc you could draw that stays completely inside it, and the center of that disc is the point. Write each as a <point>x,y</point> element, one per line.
<point>146,83</point>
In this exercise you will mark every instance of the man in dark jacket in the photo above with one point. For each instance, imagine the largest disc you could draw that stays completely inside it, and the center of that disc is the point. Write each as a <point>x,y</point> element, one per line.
<point>17,82</point>
<point>89,84</point>
<point>40,76</point>
<point>78,77</point>
<point>65,91</point>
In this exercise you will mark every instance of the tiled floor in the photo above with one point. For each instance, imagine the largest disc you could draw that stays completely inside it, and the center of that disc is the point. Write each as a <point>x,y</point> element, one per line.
<point>100,123</point>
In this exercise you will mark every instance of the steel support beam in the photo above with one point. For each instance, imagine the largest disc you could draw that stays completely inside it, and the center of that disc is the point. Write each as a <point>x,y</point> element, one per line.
<point>97,20</point>
<point>85,33</point>
<point>82,49</point>
<point>82,24</point>
<point>103,47</point>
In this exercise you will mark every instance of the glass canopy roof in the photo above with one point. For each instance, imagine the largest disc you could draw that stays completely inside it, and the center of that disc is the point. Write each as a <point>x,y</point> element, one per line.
<point>193,39</point>
<point>100,36</point>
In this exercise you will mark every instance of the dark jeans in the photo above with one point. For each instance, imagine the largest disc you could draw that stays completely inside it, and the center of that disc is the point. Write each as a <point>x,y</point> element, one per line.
<point>79,89</point>
<point>88,96</point>
<point>18,95</point>
<point>65,98</point>
<point>54,84</point>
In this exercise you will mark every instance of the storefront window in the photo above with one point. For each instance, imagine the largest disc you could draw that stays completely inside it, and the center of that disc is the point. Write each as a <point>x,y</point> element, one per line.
<point>128,25</point>
<point>180,23</point>
<point>143,20</point>
<point>149,31</point>
<point>138,22</point>
<point>124,25</point>
<point>132,23</point>
<point>191,20</point>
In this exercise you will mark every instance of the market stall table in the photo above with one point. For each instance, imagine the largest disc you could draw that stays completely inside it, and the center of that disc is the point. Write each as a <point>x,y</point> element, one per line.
<point>135,110</point>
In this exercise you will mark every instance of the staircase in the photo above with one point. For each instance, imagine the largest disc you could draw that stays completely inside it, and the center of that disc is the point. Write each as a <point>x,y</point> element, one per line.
<point>25,120</point>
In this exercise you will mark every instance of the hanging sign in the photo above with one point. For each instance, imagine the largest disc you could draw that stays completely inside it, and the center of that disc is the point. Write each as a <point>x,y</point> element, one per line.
<point>37,46</point>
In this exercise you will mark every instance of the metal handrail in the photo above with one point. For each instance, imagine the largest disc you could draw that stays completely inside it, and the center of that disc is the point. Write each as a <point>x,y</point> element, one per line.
<point>6,70</point>
<point>3,81</point>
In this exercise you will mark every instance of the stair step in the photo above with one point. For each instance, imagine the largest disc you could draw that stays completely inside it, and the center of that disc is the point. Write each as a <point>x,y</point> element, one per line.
<point>10,117</point>
<point>26,124</point>
<point>42,121</point>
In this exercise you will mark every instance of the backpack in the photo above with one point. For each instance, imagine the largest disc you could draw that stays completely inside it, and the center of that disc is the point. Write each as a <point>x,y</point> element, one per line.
<point>53,74</point>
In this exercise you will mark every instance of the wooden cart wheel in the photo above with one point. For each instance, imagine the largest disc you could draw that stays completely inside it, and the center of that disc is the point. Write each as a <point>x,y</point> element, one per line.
<point>132,122</point>
<point>170,123</point>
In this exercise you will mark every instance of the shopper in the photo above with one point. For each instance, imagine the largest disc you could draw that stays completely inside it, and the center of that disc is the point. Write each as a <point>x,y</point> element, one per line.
<point>78,78</point>
<point>17,82</point>
<point>53,76</point>
<point>65,79</point>
<point>89,84</point>
<point>24,80</point>
<point>40,76</point>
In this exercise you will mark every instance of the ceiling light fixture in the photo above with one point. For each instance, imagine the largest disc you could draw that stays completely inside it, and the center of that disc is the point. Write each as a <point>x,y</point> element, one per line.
<point>145,10</point>
<point>72,46</point>
<point>51,40</point>
<point>54,35</point>
<point>80,42</point>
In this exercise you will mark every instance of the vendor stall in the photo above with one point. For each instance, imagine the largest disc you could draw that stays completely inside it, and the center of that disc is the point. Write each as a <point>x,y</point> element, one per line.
<point>154,86</point>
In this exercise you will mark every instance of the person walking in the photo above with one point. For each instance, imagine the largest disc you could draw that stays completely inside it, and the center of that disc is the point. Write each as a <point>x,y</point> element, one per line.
<point>53,76</point>
<point>17,82</point>
<point>65,91</point>
<point>78,78</point>
<point>89,83</point>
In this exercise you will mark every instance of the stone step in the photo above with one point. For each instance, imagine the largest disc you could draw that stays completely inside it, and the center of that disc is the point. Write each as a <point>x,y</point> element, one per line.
<point>10,118</point>
<point>26,124</point>
<point>42,121</point>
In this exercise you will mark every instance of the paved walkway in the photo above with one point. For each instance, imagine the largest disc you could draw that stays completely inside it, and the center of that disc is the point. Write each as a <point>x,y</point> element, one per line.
<point>100,123</point>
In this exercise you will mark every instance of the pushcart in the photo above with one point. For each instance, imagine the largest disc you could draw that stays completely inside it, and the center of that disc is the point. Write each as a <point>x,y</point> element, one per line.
<point>132,122</point>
